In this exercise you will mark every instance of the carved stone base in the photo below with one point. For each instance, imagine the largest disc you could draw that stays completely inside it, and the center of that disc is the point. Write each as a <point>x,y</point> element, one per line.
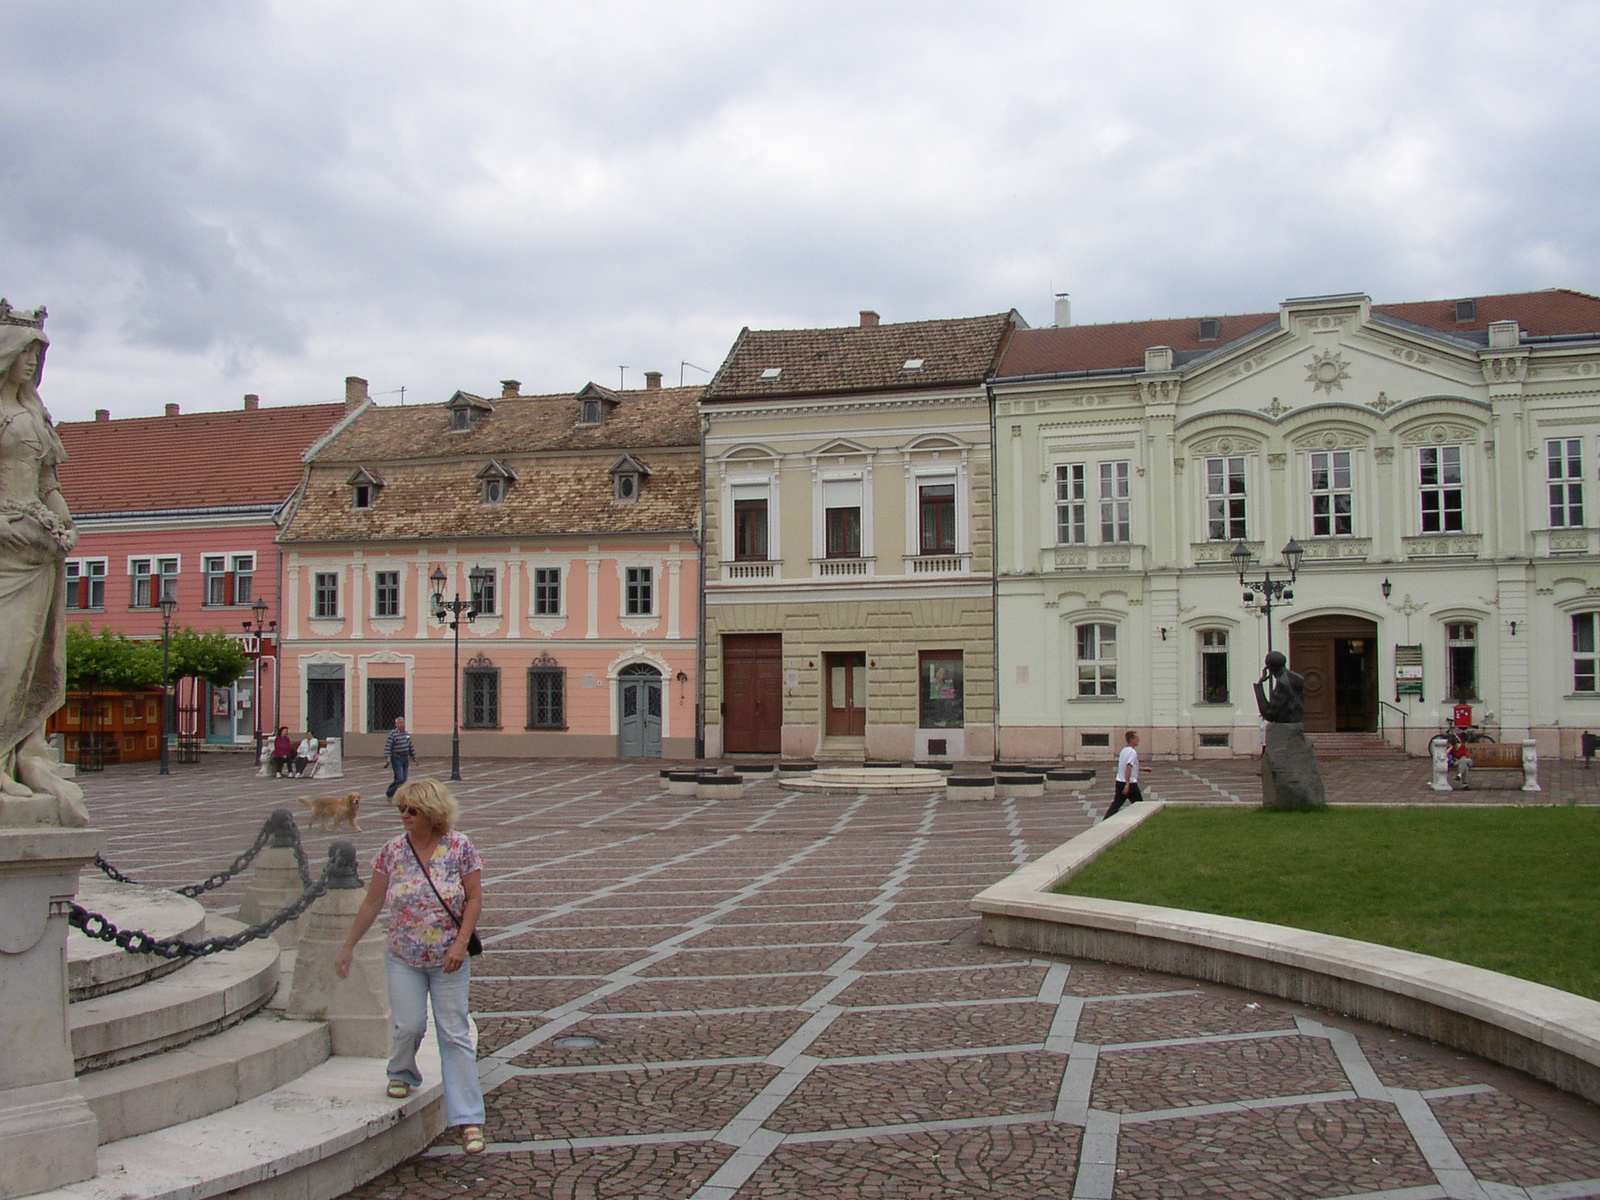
<point>356,1009</point>
<point>47,1133</point>
<point>1290,777</point>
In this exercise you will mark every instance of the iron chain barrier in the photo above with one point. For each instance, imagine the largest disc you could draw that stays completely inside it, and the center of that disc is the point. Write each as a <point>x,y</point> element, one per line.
<point>338,874</point>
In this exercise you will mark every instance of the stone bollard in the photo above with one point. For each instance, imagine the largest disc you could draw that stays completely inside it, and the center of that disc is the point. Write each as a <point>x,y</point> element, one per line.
<point>356,1009</point>
<point>330,760</point>
<point>969,787</point>
<point>1440,751</point>
<point>275,881</point>
<point>1018,786</point>
<point>720,787</point>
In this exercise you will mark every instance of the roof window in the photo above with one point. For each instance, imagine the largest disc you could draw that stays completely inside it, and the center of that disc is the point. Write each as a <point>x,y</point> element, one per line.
<point>594,403</point>
<point>466,410</point>
<point>627,478</point>
<point>496,478</point>
<point>1210,328</point>
<point>771,373</point>
<point>1466,310</point>
<point>363,485</point>
<point>912,364</point>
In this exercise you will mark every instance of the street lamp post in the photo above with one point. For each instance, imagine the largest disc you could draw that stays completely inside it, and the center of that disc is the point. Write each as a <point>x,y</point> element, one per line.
<point>260,610</point>
<point>1267,591</point>
<point>169,605</point>
<point>450,613</point>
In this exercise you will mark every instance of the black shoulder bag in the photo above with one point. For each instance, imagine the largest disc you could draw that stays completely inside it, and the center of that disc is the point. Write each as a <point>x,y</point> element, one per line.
<point>474,946</point>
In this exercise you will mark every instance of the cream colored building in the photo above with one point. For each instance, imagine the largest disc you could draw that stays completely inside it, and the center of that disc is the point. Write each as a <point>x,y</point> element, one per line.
<point>1437,462</point>
<point>848,561</point>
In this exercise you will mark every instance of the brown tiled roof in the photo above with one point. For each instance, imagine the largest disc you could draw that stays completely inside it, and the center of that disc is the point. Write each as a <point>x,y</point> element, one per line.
<point>1122,345</point>
<point>642,417</point>
<point>563,484</point>
<point>867,358</point>
<point>192,460</point>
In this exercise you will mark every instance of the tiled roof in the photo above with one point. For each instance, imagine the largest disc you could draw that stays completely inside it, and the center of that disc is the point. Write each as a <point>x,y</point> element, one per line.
<point>1122,345</point>
<point>564,485</point>
<point>642,417</point>
<point>866,358</point>
<point>191,460</point>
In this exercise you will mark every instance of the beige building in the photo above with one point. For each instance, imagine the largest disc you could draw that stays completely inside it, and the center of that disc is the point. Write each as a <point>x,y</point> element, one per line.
<point>1435,460</point>
<point>848,554</point>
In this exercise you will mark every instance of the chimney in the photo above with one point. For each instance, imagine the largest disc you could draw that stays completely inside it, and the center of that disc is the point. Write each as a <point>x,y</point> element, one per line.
<point>1063,310</point>
<point>251,402</point>
<point>652,381</point>
<point>868,318</point>
<point>355,392</point>
<point>510,389</point>
<point>1158,358</point>
<point>172,410</point>
<point>102,414</point>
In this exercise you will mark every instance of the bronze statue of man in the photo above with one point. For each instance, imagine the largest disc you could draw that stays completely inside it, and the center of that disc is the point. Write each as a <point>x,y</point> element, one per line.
<point>1285,702</point>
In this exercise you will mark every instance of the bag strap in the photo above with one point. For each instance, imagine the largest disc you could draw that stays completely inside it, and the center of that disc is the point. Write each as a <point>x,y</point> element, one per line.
<point>429,878</point>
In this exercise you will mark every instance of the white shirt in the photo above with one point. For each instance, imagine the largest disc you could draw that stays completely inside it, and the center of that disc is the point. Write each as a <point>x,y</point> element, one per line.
<point>307,749</point>
<point>1128,765</point>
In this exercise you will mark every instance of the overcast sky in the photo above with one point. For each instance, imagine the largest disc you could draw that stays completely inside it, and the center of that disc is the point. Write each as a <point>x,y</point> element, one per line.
<point>219,198</point>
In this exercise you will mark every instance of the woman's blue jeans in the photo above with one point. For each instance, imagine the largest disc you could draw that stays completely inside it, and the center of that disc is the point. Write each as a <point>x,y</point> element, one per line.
<point>409,990</point>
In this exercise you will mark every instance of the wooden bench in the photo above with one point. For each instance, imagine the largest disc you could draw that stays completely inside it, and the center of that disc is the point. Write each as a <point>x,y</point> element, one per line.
<point>1488,756</point>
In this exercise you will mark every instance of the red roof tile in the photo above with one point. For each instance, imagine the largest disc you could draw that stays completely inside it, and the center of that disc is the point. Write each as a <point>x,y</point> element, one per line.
<point>192,460</point>
<point>1122,345</point>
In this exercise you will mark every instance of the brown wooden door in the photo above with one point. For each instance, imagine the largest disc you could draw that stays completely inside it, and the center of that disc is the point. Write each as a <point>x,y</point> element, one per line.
<point>846,694</point>
<point>752,670</point>
<point>1338,655</point>
<point>1312,657</point>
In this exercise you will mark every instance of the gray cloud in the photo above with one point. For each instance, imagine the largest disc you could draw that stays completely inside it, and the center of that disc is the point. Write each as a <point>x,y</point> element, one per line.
<point>266,197</point>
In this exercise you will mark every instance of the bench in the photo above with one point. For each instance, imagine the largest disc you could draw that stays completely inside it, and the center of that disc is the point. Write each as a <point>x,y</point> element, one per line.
<point>1489,756</point>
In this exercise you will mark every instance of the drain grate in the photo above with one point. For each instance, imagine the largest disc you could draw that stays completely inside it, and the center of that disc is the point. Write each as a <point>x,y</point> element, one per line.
<point>576,1041</point>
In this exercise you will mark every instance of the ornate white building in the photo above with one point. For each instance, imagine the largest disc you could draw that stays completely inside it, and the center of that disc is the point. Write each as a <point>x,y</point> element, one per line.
<point>1436,461</point>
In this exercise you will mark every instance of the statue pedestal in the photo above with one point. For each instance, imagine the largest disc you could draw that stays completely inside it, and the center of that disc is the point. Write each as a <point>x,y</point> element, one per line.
<point>1290,777</point>
<point>47,1133</point>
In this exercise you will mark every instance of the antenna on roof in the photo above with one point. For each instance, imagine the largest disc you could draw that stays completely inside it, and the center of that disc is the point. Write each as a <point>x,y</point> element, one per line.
<point>622,375</point>
<point>687,363</point>
<point>399,391</point>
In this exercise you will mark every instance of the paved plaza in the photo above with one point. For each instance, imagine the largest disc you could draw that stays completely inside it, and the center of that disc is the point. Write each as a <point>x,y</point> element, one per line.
<point>785,996</point>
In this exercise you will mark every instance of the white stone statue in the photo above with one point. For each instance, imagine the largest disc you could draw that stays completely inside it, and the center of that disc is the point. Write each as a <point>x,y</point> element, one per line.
<point>36,535</point>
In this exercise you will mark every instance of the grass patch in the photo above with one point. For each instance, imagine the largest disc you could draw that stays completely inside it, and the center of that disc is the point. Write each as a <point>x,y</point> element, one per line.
<point>1515,890</point>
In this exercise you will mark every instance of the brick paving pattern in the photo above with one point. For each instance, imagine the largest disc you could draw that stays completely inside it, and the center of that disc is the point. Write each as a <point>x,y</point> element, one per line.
<point>785,996</point>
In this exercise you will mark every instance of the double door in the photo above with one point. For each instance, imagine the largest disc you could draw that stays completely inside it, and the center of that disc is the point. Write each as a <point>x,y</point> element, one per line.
<point>639,712</point>
<point>752,669</point>
<point>1338,656</point>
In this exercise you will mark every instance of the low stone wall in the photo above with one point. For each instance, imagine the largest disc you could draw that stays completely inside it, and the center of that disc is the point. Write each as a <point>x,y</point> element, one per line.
<point>1550,1034</point>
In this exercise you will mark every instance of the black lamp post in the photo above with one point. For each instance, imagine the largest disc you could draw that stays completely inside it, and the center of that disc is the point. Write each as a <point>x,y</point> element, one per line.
<point>260,610</point>
<point>169,605</point>
<point>451,612</point>
<point>1269,590</point>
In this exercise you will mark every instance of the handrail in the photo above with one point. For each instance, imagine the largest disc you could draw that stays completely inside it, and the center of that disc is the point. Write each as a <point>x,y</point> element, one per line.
<point>1383,704</point>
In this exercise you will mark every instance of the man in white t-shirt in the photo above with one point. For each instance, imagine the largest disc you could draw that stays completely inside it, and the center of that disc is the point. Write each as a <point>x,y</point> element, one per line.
<point>1127,791</point>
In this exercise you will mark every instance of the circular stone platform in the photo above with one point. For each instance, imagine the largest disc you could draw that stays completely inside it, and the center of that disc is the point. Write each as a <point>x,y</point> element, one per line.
<point>867,779</point>
<point>96,968</point>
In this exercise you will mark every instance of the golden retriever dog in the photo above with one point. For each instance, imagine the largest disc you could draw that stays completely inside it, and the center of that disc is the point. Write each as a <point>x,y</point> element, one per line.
<point>332,811</point>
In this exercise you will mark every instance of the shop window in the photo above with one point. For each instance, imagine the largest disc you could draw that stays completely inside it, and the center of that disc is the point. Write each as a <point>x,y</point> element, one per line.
<point>941,689</point>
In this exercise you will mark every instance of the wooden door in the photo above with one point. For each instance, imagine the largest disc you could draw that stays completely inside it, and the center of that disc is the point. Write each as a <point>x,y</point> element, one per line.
<point>1337,655</point>
<point>846,694</point>
<point>752,713</point>
<point>639,712</point>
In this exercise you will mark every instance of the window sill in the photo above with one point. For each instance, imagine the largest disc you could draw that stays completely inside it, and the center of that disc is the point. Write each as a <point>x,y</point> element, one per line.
<point>545,728</point>
<point>1214,704</point>
<point>480,728</point>
<point>1095,700</point>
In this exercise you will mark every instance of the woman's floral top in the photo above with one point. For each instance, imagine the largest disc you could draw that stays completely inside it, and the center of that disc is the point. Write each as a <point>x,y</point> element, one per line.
<point>420,931</point>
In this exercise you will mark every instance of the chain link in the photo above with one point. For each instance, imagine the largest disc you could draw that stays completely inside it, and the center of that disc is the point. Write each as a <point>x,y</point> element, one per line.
<point>268,828</point>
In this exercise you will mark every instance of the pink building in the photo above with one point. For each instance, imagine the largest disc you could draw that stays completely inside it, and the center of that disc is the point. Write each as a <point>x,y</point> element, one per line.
<point>572,521</point>
<point>187,506</point>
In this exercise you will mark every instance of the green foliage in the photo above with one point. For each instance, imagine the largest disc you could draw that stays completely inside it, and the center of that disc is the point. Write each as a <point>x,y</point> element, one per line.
<point>1511,889</point>
<point>214,657</point>
<point>109,660</point>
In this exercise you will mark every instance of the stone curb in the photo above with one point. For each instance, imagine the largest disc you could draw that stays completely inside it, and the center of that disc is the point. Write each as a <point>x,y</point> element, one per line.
<point>1550,1034</point>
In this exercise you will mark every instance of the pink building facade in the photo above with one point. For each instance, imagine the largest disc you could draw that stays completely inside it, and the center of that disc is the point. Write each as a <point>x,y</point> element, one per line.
<point>570,519</point>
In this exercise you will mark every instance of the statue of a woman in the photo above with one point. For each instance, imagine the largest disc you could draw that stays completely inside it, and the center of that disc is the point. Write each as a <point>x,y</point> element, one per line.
<point>36,534</point>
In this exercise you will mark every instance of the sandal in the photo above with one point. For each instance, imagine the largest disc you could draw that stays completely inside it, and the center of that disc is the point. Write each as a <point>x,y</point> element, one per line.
<point>472,1139</point>
<point>399,1089</point>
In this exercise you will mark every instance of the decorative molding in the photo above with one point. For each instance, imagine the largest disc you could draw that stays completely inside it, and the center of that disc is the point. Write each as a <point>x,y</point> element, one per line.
<point>1382,403</point>
<point>1277,408</point>
<point>479,662</point>
<point>1383,455</point>
<point>1407,355</point>
<point>545,660</point>
<point>1330,439</point>
<point>1439,432</point>
<point>1342,548</point>
<point>1276,462</point>
<point>1159,391</point>
<point>1327,372</point>
<point>1442,545</point>
<point>1505,368</point>
<point>1218,552</point>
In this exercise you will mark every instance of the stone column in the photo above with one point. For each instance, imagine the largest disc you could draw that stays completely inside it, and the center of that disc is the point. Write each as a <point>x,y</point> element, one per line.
<point>357,1008</point>
<point>48,1134</point>
<point>275,882</point>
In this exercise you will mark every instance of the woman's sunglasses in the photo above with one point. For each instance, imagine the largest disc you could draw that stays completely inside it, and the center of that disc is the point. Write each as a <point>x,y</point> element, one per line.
<point>406,810</point>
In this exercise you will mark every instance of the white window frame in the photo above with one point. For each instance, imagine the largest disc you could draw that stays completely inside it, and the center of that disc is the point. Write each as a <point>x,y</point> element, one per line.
<point>1102,680</point>
<point>750,487</point>
<point>630,597</point>
<point>1332,492</point>
<point>1585,653</point>
<point>921,475</point>
<point>1442,487</point>
<point>1454,640</point>
<point>81,569</point>
<point>489,588</point>
<point>141,568</point>
<point>1116,491</point>
<point>316,598</point>
<point>1564,482</point>
<point>1235,528</point>
<point>863,480</point>
<point>377,594</point>
<point>561,593</point>
<point>1208,647</point>
<point>1072,504</point>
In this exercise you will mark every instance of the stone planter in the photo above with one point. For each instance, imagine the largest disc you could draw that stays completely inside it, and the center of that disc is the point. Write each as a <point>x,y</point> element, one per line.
<point>969,787</point>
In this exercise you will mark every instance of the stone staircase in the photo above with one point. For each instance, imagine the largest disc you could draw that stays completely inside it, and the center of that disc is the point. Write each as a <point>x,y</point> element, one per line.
<point>202,1088</point>
<point>1360,747</point>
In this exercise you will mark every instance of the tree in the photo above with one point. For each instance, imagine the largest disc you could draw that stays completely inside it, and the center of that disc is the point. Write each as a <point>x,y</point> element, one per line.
<point>216,657</point>
<point>109,660</point>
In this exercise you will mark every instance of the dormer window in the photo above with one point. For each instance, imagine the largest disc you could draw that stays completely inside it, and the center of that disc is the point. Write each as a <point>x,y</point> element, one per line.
<point>466,410</point>
<point>627,478</point>
<point>593,412</point>
<point>1210,328</point>
<point>496,478</point>
<point>771,373</point>
<point>363,485</point>
<point>594,404</point>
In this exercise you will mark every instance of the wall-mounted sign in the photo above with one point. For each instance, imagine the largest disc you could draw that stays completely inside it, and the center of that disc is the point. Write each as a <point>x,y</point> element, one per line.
<point>1407,671</point>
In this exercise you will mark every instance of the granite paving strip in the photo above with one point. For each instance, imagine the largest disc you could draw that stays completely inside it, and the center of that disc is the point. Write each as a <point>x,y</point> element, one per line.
<point>784,996</point>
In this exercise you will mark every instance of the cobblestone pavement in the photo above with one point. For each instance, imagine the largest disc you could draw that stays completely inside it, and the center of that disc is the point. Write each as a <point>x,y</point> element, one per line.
<point>785,996</point>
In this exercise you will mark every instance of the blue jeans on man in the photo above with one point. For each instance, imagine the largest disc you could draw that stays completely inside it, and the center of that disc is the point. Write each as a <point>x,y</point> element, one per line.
<point>402,767</point>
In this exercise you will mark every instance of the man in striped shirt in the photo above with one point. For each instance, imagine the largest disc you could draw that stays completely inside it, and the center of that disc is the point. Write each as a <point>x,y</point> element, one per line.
<point>399,754</point>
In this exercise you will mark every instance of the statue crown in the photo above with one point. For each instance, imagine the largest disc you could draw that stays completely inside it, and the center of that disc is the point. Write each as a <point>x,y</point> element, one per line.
<point>17,316</point>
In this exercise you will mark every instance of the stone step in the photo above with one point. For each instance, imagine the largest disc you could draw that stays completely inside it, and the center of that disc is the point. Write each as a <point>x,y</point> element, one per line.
<point>317,1137</point>
<point>206,996</point>
<point>1354,746</point>
<point>96,968</point>
<point>203,1077</point>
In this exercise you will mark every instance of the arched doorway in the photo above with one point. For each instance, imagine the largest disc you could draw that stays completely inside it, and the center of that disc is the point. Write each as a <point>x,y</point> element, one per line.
<point>1338,655</point>
<point>639,711</point>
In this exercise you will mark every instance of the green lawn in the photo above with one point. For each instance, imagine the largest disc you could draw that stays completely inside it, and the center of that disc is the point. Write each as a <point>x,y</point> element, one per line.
<point>1511,889</point>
